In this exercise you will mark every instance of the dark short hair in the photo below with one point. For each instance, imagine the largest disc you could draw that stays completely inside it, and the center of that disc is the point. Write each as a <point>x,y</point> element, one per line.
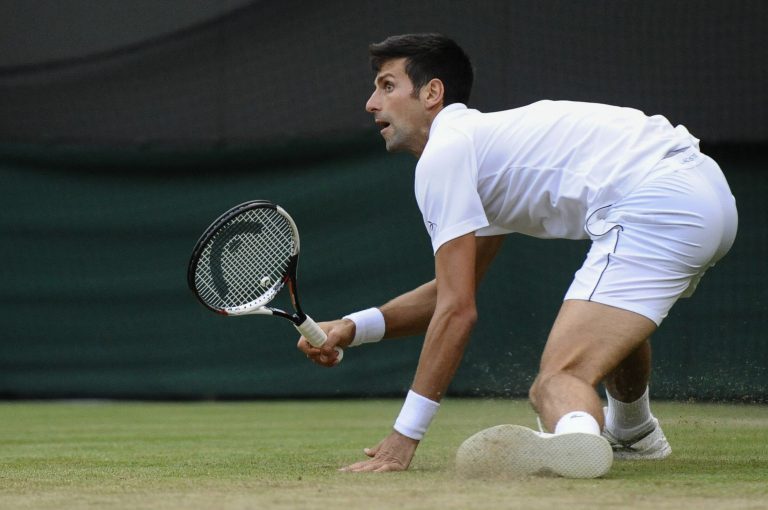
<point>428,56</point>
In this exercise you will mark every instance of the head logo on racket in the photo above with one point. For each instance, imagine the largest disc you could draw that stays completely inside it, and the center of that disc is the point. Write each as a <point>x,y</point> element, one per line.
<point>228,241</point>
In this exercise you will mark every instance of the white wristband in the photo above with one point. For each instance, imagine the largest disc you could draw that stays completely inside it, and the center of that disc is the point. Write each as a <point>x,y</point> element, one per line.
<point>416,415</point>
<point>369,326</point>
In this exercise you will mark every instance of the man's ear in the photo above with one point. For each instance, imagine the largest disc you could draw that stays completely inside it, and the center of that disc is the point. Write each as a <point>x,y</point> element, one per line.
<point>433,93</point>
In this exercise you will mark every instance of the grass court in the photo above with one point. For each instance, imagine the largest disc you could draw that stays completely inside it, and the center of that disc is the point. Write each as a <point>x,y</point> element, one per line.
<point>285,455</point>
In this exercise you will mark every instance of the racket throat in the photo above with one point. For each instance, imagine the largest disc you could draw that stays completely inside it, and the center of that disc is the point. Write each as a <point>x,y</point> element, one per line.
<point>290,280</point>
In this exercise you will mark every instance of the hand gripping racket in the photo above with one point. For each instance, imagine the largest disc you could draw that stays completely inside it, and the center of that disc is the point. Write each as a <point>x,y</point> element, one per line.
<point>242,261</point>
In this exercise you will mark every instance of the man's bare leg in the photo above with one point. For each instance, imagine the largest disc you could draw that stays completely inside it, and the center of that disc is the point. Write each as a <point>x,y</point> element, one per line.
<point>628,414</point>
<point>630,426</point>
<point>628,381</point>
<point>588,341</point>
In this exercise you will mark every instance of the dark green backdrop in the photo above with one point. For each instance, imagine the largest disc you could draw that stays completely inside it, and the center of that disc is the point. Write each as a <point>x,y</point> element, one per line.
<point>160,95</point>
<point>93,301</point>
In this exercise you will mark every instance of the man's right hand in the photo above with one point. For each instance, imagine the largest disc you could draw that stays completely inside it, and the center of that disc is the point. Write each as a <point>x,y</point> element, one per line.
<point>340,333</point>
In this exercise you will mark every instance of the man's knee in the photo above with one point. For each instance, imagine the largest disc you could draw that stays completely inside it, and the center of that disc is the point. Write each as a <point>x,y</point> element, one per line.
<point>540,391</point>
<point>576,364</point>
<point>534,393</point>
<point>557,380</point>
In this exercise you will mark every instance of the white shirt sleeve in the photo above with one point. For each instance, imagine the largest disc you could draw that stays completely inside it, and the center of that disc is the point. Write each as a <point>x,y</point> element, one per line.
<point>446,189</point>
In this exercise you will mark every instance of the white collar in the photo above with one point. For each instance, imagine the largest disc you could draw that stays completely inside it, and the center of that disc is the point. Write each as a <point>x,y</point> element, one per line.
<point>444,113</point>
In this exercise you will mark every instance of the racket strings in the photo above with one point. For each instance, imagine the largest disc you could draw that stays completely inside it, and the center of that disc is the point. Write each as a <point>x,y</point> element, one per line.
<point>245,260</point>
<point>259,258</point>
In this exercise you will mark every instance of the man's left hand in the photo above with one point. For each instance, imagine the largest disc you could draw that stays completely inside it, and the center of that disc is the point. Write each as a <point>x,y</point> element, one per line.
<point>394,453</point>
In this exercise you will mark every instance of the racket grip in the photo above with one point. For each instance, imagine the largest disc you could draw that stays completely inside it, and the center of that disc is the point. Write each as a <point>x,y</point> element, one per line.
<point>316,336</point>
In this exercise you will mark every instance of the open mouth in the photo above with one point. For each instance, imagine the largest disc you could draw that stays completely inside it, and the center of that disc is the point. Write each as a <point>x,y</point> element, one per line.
<point>382,125</point>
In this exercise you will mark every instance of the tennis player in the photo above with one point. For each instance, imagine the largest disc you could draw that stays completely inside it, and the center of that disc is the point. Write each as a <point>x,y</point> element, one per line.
<point>659,213</point>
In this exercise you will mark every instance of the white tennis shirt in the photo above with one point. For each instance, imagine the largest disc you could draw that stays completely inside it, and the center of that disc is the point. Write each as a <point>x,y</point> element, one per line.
<point>539,170</point>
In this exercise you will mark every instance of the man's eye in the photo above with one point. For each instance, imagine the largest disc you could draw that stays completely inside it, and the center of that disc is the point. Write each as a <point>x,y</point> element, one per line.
<point>389,87</point>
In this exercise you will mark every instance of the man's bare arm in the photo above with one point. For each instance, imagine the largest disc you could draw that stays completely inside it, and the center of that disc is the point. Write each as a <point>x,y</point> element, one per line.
<point>410,313</point>
<point>457,267</point>
<point>406,315</point>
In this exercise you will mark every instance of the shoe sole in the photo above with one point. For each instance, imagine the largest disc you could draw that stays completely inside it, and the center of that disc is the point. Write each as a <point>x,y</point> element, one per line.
<point>630,455</point>
<point>515,451</point>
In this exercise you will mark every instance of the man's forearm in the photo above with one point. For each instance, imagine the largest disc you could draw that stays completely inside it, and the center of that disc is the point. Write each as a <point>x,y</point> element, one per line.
<point>454,317</point>
<point>443,349</point>
<point>410,313</point>
<point>444,344</point>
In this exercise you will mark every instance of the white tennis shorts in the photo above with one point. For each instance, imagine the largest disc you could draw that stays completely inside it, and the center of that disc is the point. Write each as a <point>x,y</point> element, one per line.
<point>654,245</point>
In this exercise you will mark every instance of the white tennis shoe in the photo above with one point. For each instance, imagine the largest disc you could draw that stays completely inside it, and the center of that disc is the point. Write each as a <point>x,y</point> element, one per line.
<point>514,451</point>
<point>652,445</point>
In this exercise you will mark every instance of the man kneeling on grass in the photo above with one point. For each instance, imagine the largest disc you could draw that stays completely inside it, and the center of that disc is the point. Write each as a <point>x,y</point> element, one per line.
<point>659,213</point>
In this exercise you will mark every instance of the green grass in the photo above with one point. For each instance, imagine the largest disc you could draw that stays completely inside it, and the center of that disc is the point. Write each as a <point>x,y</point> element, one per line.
<point>285,455</point>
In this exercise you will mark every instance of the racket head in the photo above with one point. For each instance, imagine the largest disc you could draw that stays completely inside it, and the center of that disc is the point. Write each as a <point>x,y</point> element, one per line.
<point>244,258</point>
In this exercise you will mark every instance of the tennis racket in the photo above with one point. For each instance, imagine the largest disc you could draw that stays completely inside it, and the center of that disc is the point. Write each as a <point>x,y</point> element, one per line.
<point>244,259</point>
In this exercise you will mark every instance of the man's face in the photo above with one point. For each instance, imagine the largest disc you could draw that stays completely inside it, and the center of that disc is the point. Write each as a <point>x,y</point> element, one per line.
<point>403,118</point>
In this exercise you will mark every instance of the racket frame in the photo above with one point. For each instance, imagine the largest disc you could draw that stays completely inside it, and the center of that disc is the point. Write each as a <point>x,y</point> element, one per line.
<point>257,306</point>
<point>301,321</point>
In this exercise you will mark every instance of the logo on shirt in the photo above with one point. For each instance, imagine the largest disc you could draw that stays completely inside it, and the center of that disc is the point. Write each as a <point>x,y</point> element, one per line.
<point>431,226</point>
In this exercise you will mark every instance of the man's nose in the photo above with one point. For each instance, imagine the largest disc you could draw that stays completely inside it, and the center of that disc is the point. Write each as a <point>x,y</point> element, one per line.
<point>372,105</point>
